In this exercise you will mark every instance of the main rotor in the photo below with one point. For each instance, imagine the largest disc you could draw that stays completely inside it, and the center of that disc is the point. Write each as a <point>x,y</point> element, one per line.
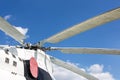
<point>74,30</point>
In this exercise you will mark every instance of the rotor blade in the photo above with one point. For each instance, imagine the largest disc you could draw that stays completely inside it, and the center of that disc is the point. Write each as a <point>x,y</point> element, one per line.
<point>87,50</point>
<point>86,25</point>
<point>72,68</point>
<point>11,31</point>
<point>3,46</point>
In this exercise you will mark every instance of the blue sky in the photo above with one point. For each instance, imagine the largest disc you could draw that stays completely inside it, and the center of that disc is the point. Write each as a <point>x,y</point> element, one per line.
<point>44,18</point>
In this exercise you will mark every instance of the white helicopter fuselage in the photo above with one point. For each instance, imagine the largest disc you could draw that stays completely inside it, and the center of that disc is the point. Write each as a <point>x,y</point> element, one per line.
<point>12,66</point>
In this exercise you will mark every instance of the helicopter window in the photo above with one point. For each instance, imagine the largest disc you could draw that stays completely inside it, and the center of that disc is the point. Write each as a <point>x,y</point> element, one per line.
<point>14,63</point>
<point>6,51</point>
<point>20,59</point>
<point>13,56</point>
<point>6,60</point>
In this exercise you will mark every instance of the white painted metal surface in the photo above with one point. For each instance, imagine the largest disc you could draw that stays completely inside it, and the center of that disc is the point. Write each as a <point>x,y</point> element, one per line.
<point>8,70</point>
<point>17,72</point>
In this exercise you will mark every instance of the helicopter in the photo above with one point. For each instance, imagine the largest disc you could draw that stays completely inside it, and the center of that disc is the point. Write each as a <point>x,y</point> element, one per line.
<point>30,61</point>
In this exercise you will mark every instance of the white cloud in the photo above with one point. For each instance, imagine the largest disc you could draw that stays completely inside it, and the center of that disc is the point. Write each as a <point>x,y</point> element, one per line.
<point>19,28</point>
<point>22,30</point>
<point>63,74</point>
<point>95,70</point>
<point>103,76</point>
<point>7,17</point>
